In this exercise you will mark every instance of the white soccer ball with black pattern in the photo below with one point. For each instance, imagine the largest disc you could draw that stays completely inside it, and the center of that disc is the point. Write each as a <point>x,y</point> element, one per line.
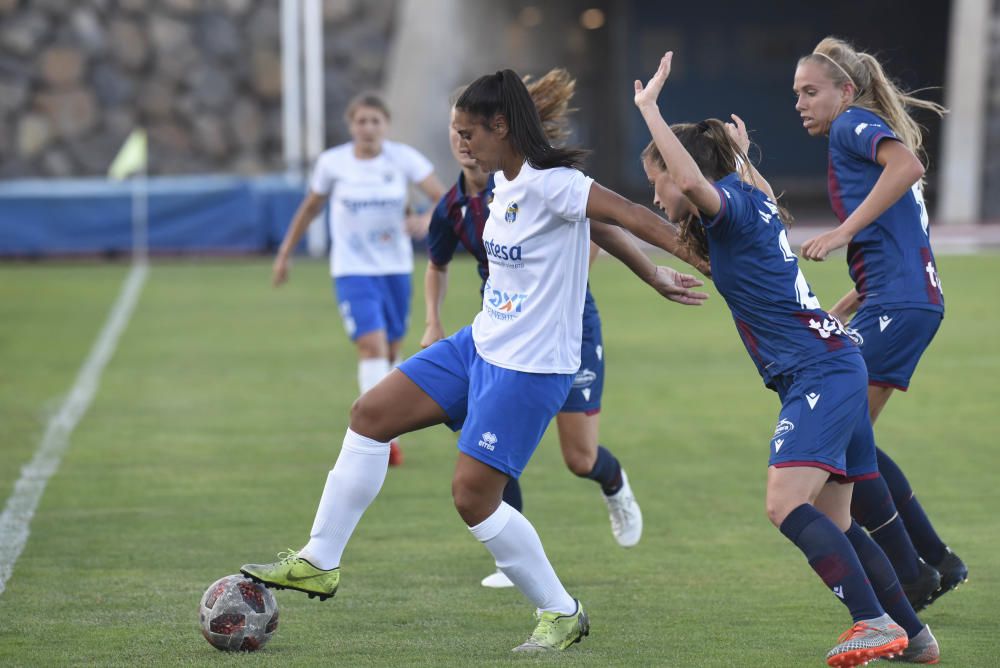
<point>237,614</point>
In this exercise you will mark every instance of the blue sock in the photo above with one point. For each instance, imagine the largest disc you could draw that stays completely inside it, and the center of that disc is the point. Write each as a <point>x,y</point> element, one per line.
<point>922,533</point>
<point>607,472</point>
<point>833,558</point>
<point>883,578</point>
<point>512,495</point>
<point>873,507</point>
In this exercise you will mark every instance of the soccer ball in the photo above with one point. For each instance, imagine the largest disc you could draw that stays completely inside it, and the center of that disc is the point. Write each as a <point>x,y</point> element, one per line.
<point>237,614</point>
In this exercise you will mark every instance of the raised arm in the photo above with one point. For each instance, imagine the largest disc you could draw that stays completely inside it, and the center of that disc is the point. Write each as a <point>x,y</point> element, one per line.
<point>748,172</point>
<point>310,207</point>
<point>679,162</point>
<point>901,170</point>
<point>672,284</point>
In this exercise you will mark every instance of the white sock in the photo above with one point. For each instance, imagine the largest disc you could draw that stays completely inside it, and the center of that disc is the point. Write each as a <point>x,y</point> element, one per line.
<point>518,552</point>
<point>351,486</point>
<point>371,371</point>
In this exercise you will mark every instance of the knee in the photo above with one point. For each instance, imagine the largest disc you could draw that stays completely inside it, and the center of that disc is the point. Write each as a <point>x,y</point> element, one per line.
<point>468,502</point>
<point>778,509</point>
<point>365,418</point>
<point>579,461</point>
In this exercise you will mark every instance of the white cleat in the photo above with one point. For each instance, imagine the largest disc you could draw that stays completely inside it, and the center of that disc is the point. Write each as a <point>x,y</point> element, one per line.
<point>497,580</point>
<point>626,517</point>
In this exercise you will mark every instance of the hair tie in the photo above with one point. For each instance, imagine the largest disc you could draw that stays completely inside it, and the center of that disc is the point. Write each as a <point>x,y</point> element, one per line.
<point>839,67</point>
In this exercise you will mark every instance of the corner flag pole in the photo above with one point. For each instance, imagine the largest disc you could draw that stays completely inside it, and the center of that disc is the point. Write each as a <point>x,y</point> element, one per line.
<point>132,160</point>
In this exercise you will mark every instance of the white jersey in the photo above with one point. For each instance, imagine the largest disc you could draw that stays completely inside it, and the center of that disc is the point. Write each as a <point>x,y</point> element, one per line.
<point>537,239</point>
<point>368,207</point>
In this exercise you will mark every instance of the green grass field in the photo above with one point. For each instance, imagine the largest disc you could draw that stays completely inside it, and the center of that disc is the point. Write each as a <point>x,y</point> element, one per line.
<point>209,440</point>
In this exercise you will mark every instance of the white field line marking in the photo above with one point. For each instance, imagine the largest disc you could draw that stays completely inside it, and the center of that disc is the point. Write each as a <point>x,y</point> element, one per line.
<point>20,508</point>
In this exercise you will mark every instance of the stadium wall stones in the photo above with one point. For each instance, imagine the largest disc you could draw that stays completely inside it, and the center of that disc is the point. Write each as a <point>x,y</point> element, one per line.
<point>203,76</point>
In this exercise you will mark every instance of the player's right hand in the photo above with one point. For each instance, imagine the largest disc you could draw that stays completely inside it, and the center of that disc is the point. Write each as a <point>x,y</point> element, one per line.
<point>279,271</point>
<point>432,334</point>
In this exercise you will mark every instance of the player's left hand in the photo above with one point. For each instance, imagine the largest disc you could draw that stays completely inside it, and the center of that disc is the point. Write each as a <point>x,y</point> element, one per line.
<point>676,286</point>
<point>647,96</point>
<point>819,247</point>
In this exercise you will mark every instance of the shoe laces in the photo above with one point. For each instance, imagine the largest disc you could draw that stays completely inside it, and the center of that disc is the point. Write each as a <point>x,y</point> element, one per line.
<point>543,629</point>
<point>288,556</point>
<point>859,629</point>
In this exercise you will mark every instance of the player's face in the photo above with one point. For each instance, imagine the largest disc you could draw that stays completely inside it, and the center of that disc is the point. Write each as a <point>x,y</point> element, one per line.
<point>818,99</point>
<point>479,139</point>
<point>368,127</point>
<point>459,152</point>
<point>666,195</point>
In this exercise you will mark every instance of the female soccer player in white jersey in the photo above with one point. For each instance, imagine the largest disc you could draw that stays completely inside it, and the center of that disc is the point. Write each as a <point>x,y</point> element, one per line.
<point>371,257</point>
<point>460,218</point>
<point>876,189</point>
<point>502,379</point>
<point>823,442</point>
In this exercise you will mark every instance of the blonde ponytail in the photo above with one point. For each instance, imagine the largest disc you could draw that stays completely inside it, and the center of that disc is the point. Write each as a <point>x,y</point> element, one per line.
<point>874,90</point>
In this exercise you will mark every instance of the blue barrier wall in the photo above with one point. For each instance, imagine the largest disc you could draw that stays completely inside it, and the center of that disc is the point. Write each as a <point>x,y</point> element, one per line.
<point>204,214</point>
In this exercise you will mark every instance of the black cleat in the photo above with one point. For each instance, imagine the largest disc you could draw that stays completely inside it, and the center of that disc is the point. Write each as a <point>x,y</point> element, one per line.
<point>920,592</point>
<point>953,573</point>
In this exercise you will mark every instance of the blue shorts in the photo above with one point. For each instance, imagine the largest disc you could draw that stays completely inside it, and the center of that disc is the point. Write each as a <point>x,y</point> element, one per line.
<point>824,419</point>
<point>502,413</point>
<point>893,340</point>
<point>588,384</point>
<point>372,303</point>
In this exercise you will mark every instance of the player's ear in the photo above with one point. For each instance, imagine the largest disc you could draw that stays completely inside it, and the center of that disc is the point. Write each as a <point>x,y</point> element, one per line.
<point>499,126</point>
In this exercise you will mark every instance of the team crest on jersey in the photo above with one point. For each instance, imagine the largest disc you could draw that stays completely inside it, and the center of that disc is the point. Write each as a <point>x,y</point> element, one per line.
<point>511,214</point>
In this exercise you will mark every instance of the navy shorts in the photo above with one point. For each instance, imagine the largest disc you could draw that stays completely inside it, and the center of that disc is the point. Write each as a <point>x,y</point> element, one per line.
<point>588,384</point>
<point>372,303</point>
<point>824,419</point>
<point>893,340</point>
<point>502,413</point>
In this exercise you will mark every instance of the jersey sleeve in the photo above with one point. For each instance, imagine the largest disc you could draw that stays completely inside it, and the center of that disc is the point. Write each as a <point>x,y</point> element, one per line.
<point>321,181</point>
<point>566,192</point>
<point>414,164</point>
<point>441,238</point>
<point>859,136</point>
<point>736,208</point>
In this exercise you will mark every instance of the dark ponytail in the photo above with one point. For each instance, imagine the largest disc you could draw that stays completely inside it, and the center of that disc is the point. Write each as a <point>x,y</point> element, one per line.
<point>505,93</point>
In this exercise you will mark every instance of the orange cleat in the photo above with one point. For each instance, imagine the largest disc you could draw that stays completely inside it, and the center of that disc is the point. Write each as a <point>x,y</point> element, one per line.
<point>866,641</point>
<point>395,453</point>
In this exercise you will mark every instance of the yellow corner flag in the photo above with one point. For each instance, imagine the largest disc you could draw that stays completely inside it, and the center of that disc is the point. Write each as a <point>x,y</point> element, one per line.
<point>131,157</point>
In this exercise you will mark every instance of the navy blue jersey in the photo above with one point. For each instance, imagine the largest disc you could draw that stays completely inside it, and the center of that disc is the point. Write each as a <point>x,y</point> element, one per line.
<point>459,219</point>
<point>777,315</point>
<point>890,261</point>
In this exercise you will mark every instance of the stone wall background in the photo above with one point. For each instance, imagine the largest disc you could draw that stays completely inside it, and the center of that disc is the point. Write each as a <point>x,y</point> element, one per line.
<point>203,76</point>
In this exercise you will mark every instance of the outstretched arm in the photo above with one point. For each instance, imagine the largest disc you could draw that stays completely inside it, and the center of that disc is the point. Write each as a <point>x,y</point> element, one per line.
<point>607,206</point>
<point>672,284</point>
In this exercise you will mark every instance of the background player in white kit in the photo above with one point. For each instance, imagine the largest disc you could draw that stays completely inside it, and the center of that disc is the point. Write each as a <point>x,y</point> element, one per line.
<point>501,380</point>
<point>371,258</point>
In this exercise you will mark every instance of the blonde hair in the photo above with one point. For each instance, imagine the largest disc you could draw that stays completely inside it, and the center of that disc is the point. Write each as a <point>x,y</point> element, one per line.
<point>874,90</point>
<point>551,95</point>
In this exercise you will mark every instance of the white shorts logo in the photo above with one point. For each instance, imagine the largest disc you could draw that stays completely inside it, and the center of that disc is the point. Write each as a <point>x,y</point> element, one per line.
<point>488,441</point>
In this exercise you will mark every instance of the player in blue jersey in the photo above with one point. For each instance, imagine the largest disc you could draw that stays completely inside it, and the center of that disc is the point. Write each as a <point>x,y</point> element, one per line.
<point>371,256</point>
<point>459,219</point>
<point>823,440</point>
<point>502,380</point>
<point>875,184</point>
